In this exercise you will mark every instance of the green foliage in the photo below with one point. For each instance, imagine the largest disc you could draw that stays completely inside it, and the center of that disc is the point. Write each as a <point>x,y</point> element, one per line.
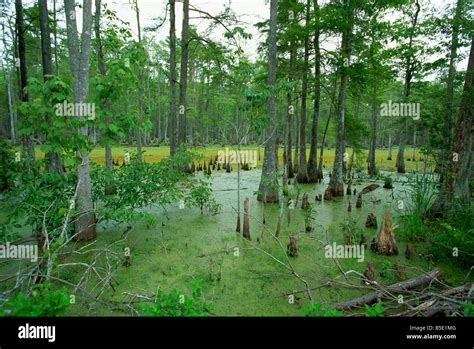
<point>318,309</point>
<point>6,234</point>
<point>417,199</point>
<point>309,216</point>
<point>350,231</point>
<point>6,163</point>
<point>201,196</point>
<point>42,115</point>
<point>375,310</point>
<point>452,239</point>
<point>468,308</point>
<point>388,181</point>
<point>386,269</point>
<point>139,185</point>
<point>36,200</point>
<point>176,304</point>
<point>43,301</point>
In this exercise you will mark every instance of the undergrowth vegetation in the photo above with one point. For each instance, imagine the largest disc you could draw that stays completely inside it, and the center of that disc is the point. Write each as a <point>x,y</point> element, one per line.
<point>443,239</point>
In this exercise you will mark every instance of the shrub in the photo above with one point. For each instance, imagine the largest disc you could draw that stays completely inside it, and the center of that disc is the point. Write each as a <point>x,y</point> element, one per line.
<point>137,186</point>
<point>468,308</point>
<point>350,231</point>
<point>454,234</point>
<point>376,310</point>
<point>201,196</point>
<point>417,200</point>
<point>449,239</point>
<point>35,200</point>
<point>387,182</point>
<point>309,213</point>
<point>174,304</point>
<point>43,301</point>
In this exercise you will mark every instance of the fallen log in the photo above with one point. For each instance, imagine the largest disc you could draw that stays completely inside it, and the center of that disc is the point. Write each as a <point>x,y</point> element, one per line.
<point>398,287</point>
<point>433,306</point>
<point>366,190</point>
<point>369,188</point>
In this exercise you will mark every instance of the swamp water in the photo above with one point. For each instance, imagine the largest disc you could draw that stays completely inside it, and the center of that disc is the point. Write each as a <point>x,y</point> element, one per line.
<point>249,277</point>
<point>252,278</point>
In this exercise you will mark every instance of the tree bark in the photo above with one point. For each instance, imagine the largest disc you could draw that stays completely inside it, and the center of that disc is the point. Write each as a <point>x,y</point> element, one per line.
<point>28,144</point>
<point>297,132</point>
<point>103,72</point>
<point>10,92</point>
<point>267,191</point>
<point>140,90</point>
<point>400,163</point>
<point>336,184</point>
<point>246,228</point>
<point>455,191</point>
<point>372,168</point>
<point>53,159</point>
<point>172,123</point>
<point>447,130</point>
<point>290,113</point>
<point>79,52</point>
<point>395,288</point>
<point>55,37</point>
<point>326,128</point>
<point>312,162</point>
<point>183,74</point>
<point>302,176</point>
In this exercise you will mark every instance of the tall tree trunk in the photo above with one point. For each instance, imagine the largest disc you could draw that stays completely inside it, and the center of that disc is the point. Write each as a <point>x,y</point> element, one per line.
<point>53,159</point>
<point>45,39</point>
<point>10,92</point>
<point>400,163</point>
<point>172,122</point>
<point>455,190</point>
<point>140,90</point>
<point>148,133</point>
<point>297,133</point>
<point>11,110</point>
<point>447,129</point>
<point>159,129</point>
<point>313,162</point>
<point>290,113</point>
<point>28,144</point>
<point>79,51</point>
<point>336,184</point>
<point>302,176</point>
<point>267,191</point>
<point>183,73</point>
<point>103,72</point>
<point>371,164</point>
<point>326,128</point>
<point>372,169</point>
<point>321,151</point>
<point>55,38</point>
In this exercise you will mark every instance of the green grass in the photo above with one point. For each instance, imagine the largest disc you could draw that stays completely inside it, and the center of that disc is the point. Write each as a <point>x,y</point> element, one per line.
<point>155,154</point>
